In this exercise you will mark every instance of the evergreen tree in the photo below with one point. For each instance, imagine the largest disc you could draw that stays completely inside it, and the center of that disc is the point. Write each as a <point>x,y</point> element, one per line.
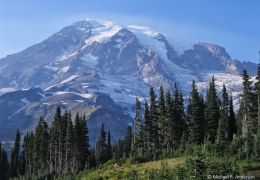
<point>28,153</point>
<point>92,158</point>
<point>109,147</point>
<point>128,141</point>
<point>147,128</point>
<point>185,132</point>
<point>22,163</point>
<point>84,141</point>
<point>15,156</point>
<point>247,106</point>
<point>138,126</point>
<point>101,147</point>
<point>4,164</point>
<point>40,142</point>
<point>249,119</point>
<point>257,136</point>
<point>196,116</point>
<point>77,143</point>
<point>154,119</point>
<point>222,134</point>
<point>212,113</point>
<point>257,147</point>
<point>69,146</point>
<point>232,125</point>
<point>170,124</point>
<point>119,150</point>
<point>1,169</point>
<point>55,144</point>
<point>178,111</point>
<point>162,119</point>
<point>257,95</point>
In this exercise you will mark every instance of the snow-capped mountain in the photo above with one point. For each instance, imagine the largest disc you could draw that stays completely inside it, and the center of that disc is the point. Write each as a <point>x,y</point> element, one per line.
<point>98,67</point>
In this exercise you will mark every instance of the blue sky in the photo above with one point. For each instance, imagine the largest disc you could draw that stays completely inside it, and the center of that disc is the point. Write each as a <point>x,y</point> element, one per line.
<point>232,24</point>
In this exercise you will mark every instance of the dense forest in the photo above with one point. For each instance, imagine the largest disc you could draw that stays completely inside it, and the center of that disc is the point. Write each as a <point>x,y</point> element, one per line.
<point>207,132</point>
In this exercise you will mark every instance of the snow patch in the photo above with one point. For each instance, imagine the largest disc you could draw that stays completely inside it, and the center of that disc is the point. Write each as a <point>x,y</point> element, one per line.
<point>65,69</point>
<point>180,46</point>
<point>68,79</point>
<point>42,95</point>
<point>24,100</point>
<point>102,32</point>
<point>89,60</point>
<point>80,101</point>
<point>50,67</point>
<point>5,90</point>
<point>86,96</point>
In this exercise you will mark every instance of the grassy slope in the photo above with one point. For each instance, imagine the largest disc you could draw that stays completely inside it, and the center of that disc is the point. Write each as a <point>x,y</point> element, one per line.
<point>109,172</point>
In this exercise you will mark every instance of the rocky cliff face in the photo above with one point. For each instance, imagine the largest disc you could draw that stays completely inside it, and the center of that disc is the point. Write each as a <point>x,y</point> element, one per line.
<point>98,68</point>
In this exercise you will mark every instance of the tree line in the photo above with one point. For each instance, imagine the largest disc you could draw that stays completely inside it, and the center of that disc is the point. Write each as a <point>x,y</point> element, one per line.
<point>163,127</point>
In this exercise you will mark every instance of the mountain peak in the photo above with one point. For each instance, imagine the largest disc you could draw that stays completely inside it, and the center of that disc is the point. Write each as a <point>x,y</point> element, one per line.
<point>215,49</point>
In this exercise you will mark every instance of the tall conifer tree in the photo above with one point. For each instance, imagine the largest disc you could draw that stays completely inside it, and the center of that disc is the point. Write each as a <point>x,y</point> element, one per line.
<point>196,116</point>
<point>232,126</point>
<point>4,165</point>
<point>222,133</point>
<point>154,116</point>
<point>101,146</point>
<point>128,141</point>
<point>40,142</point>
<point>212,113</point>
<point>162,118</point>
<point>248,121</point>
<point>15,156</point>
<point>137,122</point>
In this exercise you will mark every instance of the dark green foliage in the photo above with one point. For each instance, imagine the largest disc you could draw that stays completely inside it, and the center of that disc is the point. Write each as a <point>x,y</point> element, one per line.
<point>154,118</point>
<point>83,141</point>
<point>257,147</point>
<point>162,120</point>
<point>69,146</point>
<point>147,128</point>
<point>197,167</point>
<point>178,116</point>
<point>257,97</point>
<point>203,164</point>
<point>109,153</point>
<point>15,156</point>
<point>118,150</point>
<point>196,116</point>
<point>222,133</point>
<point>56,142</point>
<point>91,159</point>
<point>62,149</point>
<point>138,129</point>
<point>128,141</point>
<point>4,165</point>
<point>170,125</point>
<point>101,147</point>
<point>232,123</point>
<point>248,114</point>
<point>237,148</point>
<point>212,113</point>
<point>40,142</point>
